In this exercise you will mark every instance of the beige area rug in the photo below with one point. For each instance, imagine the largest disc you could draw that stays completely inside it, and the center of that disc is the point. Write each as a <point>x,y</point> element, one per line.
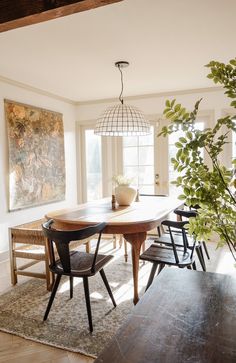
<point>22,310</point>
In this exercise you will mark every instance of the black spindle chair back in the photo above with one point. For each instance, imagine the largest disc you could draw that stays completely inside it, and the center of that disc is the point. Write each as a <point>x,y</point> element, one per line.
<point>172,227</point>
<point>62,239</point>
<point>76,263</point>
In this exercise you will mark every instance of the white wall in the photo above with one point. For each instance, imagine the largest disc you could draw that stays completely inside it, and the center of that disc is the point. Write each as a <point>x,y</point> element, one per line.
<point>11,92</point>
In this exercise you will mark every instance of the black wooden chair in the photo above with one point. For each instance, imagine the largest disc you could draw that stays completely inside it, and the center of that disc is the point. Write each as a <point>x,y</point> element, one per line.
<point>75,263</point>
<point>171,255</point>
<point>165,238</point>
<point>192,212</point>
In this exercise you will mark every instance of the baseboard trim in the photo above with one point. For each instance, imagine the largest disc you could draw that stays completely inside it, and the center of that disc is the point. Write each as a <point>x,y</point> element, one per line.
<point>4,256</point>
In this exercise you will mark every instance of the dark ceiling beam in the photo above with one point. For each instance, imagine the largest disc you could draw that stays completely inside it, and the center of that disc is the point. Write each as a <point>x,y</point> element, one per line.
<point>18,13</point>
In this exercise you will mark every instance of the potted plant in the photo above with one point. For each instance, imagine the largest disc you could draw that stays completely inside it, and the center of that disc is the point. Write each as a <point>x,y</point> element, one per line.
<point>124,193</point>
<point>211,187</point>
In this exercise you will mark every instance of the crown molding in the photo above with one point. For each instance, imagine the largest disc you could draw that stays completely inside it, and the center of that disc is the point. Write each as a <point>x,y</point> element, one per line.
<point>36,90</point>
<point>106,100</point>
<point>152,95</point>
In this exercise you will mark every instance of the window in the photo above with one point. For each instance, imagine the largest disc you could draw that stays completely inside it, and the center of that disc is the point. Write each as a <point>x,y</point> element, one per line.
<point>93,165</point>
<point>138,161</point>
<point>146,159</point>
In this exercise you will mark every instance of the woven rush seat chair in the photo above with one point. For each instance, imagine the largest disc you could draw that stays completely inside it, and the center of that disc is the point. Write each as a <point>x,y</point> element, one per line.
<point>76,263</point>
<point>170,255</point>
<point>27,242</point>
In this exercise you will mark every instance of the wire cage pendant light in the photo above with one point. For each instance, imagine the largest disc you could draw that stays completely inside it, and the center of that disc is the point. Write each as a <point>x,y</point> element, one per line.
<point>122,119</point>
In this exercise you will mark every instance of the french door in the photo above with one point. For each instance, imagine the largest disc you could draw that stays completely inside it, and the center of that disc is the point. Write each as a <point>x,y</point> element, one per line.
<point>96,163</point>
<point>148,159</point>
<point>93,165</point>
<point>138,161</point>
<point>145,159</point>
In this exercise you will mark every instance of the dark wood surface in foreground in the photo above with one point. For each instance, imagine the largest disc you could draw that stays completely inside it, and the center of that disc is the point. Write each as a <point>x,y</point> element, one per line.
<point>185,316</point>
<point>18,13</point>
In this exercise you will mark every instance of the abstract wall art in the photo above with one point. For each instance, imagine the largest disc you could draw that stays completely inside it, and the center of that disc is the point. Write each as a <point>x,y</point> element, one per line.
<point>36,155</point>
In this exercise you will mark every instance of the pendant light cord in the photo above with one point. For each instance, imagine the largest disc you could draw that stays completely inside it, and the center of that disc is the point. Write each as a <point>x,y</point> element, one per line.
<point>122,85</point>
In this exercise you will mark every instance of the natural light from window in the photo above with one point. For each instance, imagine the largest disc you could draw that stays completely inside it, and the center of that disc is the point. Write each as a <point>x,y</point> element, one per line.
<point>138,161</point>
<point>93,165</point>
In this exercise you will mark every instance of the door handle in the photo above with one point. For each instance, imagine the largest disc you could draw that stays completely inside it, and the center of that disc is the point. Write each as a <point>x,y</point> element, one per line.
<point>157,179</point>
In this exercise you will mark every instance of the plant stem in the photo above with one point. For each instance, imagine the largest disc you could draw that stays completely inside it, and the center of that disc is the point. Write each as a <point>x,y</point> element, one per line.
<point>217,167</point>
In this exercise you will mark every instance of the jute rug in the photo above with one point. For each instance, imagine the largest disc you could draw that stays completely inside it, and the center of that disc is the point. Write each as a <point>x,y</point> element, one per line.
<point>22,310</point>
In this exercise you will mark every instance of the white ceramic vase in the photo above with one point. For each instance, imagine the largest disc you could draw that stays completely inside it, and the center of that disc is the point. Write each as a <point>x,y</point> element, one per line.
<point>125,194</point>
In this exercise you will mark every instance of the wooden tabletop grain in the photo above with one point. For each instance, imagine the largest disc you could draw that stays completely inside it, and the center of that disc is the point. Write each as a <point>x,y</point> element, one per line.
<point>185,316</point>
<point>141,216</point>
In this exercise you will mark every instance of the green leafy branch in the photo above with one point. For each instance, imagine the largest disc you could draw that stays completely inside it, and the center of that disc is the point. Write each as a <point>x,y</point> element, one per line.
<point>224,74</point>
<point>212,187</point>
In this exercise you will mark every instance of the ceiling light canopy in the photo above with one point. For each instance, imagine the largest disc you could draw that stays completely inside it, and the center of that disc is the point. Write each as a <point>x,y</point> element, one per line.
<point>122,119</point>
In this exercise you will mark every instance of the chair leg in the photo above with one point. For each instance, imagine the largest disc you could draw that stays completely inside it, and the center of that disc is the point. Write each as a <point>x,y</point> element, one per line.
<point>88,306</point>
<point>120,240</point>
<point>161,266</point>
<point>194,266</point>
<point>126,250</point>
<point>152,274</point>
<point>88,247</point>
<point>206,249</point>
<point>71,287</point>
<point>53,293</point>
<point>143,247</point>
<point>201,251</point>
<point>114,241</point>
<point>102,273</point>
<point>200,257</point>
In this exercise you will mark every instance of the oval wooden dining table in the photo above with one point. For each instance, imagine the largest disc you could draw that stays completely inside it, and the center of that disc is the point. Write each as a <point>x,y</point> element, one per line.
<point>133,222</point>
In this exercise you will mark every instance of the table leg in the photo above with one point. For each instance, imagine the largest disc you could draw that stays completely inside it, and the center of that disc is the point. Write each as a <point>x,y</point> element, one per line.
<point>136,240</point>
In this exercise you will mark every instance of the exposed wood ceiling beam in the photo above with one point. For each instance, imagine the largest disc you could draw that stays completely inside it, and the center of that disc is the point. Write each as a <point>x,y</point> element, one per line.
<point>18,13</point>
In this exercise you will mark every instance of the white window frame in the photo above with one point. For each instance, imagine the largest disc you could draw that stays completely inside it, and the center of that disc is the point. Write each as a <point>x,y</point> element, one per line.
<point>159,168</point>
<point>109,156</point>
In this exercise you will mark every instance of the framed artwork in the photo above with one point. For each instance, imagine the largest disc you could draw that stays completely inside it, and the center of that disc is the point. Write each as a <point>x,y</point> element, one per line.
<point>36,155</point>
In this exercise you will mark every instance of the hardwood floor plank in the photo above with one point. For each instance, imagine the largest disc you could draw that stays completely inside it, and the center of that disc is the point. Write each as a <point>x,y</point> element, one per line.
<point>14,349</point>
<point>73,358</point>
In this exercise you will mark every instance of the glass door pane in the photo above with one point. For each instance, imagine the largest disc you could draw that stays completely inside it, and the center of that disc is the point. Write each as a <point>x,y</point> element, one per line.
<point>138,161</point>
<point>93,156</point>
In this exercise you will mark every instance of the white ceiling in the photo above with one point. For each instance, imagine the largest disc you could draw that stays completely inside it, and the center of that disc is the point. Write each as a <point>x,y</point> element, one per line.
<point>166,42</point>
